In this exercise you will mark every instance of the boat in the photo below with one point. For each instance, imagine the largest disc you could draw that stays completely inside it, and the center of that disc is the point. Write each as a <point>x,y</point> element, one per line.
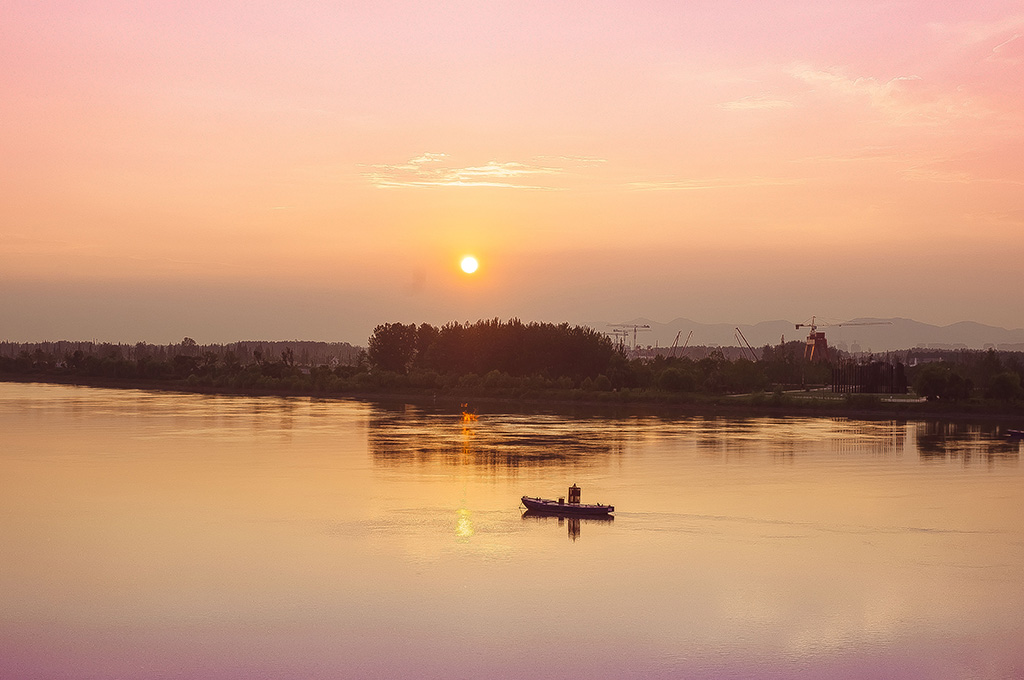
<point>573,508</point>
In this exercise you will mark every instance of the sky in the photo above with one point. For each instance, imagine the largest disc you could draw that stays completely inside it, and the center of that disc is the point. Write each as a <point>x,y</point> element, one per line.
<point>308,170</point>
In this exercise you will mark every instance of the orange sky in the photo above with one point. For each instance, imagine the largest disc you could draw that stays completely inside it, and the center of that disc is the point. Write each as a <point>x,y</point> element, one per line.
<point>256,170</point>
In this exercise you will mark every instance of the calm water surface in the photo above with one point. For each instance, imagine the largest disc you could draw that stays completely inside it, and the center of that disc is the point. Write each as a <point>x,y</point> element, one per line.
<point>152,535</point>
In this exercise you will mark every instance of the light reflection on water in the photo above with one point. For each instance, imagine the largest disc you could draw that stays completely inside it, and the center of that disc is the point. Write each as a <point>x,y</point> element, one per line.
<point>165,535</point>
<point>410,435</point>
<point>965,442</point>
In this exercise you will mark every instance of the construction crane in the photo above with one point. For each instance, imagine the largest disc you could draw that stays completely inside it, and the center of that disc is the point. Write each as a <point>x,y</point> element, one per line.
<point>675,342</point>
<point>620,335</point>
<point>635,326</point>
<point>817,346</point>
<point>753,354</point>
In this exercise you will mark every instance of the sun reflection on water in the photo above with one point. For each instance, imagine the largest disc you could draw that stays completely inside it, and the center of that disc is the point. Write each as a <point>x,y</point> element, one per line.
<point>464,524</point>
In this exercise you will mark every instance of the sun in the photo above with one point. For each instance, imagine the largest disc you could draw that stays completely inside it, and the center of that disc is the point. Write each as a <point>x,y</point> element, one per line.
<point>469,264</point>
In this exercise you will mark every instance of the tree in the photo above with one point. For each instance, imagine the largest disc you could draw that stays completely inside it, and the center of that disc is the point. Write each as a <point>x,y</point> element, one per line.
<point>1005,386</point>
<point>392,347</point>
<point>939,381</point>
<point>958,387</point>
<point>930,381</point>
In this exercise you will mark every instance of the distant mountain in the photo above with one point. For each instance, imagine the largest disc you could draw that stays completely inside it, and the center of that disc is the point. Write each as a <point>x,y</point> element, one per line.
<point>862,334</point>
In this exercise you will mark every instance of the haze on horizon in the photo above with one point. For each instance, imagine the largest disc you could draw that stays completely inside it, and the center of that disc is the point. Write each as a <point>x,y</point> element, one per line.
<point>255,170</point>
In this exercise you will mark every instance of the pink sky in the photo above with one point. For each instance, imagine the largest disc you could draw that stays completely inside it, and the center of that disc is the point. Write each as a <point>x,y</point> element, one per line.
<point>307,170</point>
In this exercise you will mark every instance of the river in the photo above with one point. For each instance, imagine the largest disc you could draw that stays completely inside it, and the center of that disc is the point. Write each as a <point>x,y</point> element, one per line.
<point>164,535</point>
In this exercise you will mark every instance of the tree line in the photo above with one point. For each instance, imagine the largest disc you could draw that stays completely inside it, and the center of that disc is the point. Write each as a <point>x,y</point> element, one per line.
<point>270,365</point>
<point>493,357</point>
<point>961,375</point>
<point>307,352</point>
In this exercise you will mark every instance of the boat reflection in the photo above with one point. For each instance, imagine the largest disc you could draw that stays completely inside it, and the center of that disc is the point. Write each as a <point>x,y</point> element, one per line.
<point>572,523</point>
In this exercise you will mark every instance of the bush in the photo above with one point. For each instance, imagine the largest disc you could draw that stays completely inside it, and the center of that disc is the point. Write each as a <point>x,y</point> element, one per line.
<point>424,379</point>
<point>496,378</point>
<point>863,400</point>
<point>676,380</point>
<point>364,381</point>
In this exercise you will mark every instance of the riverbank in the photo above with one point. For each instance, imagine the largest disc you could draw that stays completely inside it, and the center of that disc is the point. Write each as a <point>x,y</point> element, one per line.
<point>624,402</point>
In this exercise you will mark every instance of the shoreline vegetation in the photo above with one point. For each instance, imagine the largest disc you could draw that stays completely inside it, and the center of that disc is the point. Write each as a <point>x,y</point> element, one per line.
<point>541,365</point>
<point>814,403</point>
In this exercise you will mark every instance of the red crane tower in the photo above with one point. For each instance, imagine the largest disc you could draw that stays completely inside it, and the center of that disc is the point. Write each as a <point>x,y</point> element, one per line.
<point>816,348</point>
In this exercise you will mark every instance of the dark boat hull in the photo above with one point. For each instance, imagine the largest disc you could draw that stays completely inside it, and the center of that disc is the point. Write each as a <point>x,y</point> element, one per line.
<point>541,515</point>
<point>551,507</point>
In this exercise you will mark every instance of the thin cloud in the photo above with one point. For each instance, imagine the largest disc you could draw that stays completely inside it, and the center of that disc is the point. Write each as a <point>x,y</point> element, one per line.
<point>879,93</point>
<point>1009,51</point>
<point>903,100</point>
<point>708,184</point>
<point>925,174</point>
<point>493,169</point>
<point>573,160</point>
<point>921,174</point>
<point>969,33</point>
<point>756,104</point>
<point>428,158</point>
<point>871,154</point>
<point>431,170</point>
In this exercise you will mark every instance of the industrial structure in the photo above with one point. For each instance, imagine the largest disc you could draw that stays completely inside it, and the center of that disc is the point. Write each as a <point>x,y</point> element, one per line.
<point>675,343</point>
<point>816,347</point>
<point>622,331</point>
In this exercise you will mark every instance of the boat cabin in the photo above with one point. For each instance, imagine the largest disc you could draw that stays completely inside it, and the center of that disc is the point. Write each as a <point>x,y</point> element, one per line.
<point>574,496</point>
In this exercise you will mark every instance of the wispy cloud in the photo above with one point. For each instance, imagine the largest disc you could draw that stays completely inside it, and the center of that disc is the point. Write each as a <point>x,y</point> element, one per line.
<point>434,170</point>
<point>878,92</point>
<point>691,184</point>
<point>1010,51</point>
<point>25,243</point>
<point>923,174</point>
<point>573,160</point>
<point>968,33</point>
<point>427,158</point>
<point>867,154</point>
<point>903,100</point>
<point>757,103</point>
<point>919,173</point>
